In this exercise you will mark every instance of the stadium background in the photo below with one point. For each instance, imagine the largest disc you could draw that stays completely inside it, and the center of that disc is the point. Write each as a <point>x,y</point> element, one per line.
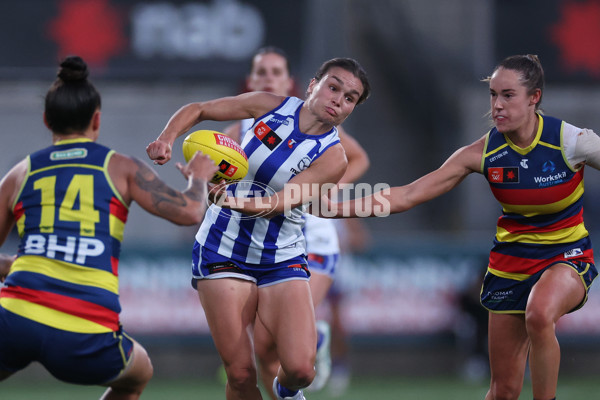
<point>425,60</point>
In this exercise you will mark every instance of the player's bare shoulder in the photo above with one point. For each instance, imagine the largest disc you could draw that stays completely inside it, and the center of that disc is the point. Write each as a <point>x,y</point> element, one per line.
<point>259,103</point>
<point>471,155</point>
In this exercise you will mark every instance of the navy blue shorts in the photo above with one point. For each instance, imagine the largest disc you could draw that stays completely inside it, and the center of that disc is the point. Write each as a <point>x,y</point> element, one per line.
<point>207,264</point>
<point>323,264</point>
<point>81,358</point>
<point>502,295</point>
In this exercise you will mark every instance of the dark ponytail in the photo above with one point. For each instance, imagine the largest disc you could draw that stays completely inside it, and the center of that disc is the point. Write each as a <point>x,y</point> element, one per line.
<point>71,100</point>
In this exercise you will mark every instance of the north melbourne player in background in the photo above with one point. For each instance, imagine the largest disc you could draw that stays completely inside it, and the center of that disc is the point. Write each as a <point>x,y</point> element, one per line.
<point>60,304</point>
<point>248,267</point>
<point>270,72</point>
<point>541,265</point>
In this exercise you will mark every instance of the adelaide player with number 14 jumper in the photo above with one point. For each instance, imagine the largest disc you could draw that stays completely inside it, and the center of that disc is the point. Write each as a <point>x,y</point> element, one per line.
<point>60,302</point>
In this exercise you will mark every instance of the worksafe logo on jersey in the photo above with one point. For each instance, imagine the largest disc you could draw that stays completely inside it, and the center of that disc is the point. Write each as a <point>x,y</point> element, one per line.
<point>70,154</point>
<point>550,180</point>
<point>503,174</point>
<point>266,135</point>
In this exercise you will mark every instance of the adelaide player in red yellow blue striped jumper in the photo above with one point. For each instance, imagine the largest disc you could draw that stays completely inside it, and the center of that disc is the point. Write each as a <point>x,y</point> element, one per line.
<point>60,301</point>
<point>541,265</point>
<point>541,195</point>
<point>67,273</point>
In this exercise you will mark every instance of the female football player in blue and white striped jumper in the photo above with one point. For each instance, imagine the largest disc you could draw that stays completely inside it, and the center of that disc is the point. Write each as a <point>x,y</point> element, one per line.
<point>270,72</point>
<point>249,256</point>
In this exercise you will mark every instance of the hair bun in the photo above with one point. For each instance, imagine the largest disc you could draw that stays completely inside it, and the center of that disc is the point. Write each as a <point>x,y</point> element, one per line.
<point>73,69</point>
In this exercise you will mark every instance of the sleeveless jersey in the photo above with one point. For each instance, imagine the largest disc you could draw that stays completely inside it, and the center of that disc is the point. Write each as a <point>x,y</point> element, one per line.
<point>320,233</point>
<point>542,202</point>
<point>277,151</point>
<point>70,219</point>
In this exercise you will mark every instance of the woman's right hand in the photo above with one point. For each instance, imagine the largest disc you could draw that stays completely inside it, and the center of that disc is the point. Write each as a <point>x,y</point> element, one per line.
<point>159,151</point>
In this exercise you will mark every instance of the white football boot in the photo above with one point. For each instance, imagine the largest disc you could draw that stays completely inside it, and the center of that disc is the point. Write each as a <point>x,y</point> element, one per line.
<point>297,396</point>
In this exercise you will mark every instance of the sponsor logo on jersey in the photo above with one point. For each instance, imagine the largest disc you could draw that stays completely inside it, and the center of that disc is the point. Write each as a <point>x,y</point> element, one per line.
<point>227,169</point>
<point>550,180</point>
<point>498,156</point>
<point>280,120</point>
<point>548,166</point>
<point>523,163</point>
<point>70,249</point>
<point>291,143</point>
<point>68,154</point>
<point>503,174</point>
<point>302,165</point>
<point>573,253</point>
<point>266,135</point>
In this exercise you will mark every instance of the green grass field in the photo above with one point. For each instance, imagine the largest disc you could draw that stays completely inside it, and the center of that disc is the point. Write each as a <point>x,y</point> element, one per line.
<point>360,389</point>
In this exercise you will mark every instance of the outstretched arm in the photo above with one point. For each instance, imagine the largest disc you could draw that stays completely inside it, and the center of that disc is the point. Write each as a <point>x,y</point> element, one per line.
<point>301,189</point>
<point>136,181</point>
<point>588,148</point>
<point>247,105</point>
<point>401,198</point>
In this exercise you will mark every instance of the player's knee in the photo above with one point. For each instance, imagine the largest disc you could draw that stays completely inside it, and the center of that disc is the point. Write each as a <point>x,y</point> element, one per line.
<point>538,320</point>
<point>144,370</point>
<point>239,378</point>
<point>301,374</point>
<point>135,380</point>
<point>148,371</point>
<point>505,391</point>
